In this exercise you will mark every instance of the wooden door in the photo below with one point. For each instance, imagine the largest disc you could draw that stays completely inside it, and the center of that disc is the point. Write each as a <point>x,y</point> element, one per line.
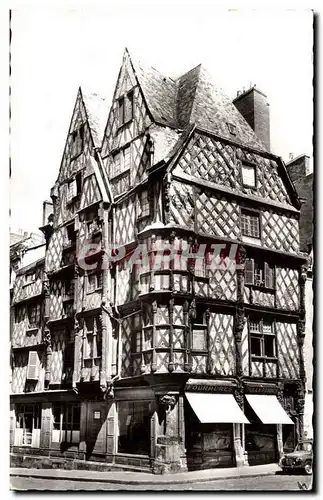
<point>96,432</point>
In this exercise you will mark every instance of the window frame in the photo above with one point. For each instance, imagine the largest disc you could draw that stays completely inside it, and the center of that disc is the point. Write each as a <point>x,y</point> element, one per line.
<point>98,284</point>
<point>36,324</point>
<point>268,274</point>
<point>246,164</point>
<point>123,101</point>
<point>247,212</point>
<point>77,136</point>
<point>261,336</point>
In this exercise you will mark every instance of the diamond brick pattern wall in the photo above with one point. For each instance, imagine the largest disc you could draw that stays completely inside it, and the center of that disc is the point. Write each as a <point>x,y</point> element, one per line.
<point>222,284</point>
<point>58,346</point>
<point>280,232</point>
<point>125,222</point>
<point>217,216</point>
<point>199,364</point>
<point>126,363</point>
<point>270,370</point>
<point>222,347</point>
<point>288,352</point>
<point>162,360</point>
<point>210,159</point>
<point>287,288</point>
<point>181,204</point>
<point>124,284</point>
<point>257,368</point>
<point>19,372</point>
<point>90,192</point>
<point>54,252</point>
<point>245,349</point>
<point>262,298</point>
<point>56,300</point>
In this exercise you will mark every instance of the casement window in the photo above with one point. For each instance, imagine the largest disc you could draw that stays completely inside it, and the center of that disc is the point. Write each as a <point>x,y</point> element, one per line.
<point>248,175</point>
<point>250,224</point>
<point>125,105</point>
<point>259,274</point>
<point>77,141</point>
<point>134,426</point>
<point>33,366</point>
<point>70,234</point>
<point>66,423</point>
<point>199,331</point>
<point>262,338</point>
<point>33,312</point>
<point>143,205</point>
<point>94,282</point>
<point>120,162</point>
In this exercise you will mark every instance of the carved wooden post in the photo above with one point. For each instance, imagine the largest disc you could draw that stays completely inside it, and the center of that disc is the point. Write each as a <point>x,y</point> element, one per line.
<point>166,189</point>
<point>77,352</point>
<point>186,336</point>
<point>154,360</point>
<point>300,396</point>
<point>240,313</point>
<point>280,444</point>
<point>46,332</point>
<point>171,335</point>
<point>207,320</point>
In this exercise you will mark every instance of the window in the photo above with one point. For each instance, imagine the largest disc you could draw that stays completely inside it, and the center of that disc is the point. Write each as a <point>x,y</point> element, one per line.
<point>28,419</point>
<point>71,191</point>
<point>33,366</point>
<point>144,206</point>
<point>93,340</point>
<point>30,277</point>
<point>249,175</point>
<point>137,341</point>
<point>232,128</point>
<point>66,423</point>
<point>94,282</point>
<point>120,162</point>
<point>125,109</point>
<point>77,141</point>
<point>199,331</point>
<point>134,427</point>
<point>259,274</point>
<point>71,234</point>
<point>33,315</point>
<point>262,339</point>
<point>250,224</point>
<point>69,288</point>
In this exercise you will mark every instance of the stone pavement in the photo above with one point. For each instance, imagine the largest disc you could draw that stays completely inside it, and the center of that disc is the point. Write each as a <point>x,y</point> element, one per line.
<point>147,478</point>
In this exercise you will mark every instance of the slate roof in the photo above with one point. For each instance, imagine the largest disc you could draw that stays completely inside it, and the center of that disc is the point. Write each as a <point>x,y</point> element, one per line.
<point>193,98</point>
<point>97,113</point>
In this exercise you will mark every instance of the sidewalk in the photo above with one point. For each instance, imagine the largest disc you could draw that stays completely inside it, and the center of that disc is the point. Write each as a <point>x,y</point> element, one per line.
<point>146,478</point>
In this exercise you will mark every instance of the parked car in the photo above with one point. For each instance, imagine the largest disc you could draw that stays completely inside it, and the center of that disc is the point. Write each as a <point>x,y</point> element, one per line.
<point>301,459</point>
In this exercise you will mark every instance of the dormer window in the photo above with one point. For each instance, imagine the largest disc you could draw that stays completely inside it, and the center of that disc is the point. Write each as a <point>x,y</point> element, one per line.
<point>232,129</point>
<point>125,104</point>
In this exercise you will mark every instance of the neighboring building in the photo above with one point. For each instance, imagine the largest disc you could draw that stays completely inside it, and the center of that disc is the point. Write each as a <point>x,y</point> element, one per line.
<point>180,365</point>
<point>299,171</point>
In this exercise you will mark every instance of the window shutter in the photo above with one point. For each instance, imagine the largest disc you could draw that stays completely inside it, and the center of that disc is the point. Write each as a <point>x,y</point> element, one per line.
<point>268,276</point>
<point>33,365</point>
<point>249,272</point>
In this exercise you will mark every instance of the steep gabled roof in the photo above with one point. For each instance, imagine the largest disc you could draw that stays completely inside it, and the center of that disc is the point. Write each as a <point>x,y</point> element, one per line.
<point>159,92</point>
<point>193,99</point>
<point>97,113</point>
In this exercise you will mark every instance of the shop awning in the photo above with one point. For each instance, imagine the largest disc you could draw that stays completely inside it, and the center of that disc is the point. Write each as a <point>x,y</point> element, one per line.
<point>216,408</point>
<point>268,409</point>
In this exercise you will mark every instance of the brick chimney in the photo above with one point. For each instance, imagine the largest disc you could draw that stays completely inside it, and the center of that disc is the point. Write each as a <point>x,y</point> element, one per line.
<point>299,167</point>
<point>253,106</point>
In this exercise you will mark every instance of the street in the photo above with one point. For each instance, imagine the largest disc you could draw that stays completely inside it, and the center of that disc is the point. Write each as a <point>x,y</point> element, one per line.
<point>263,483</point>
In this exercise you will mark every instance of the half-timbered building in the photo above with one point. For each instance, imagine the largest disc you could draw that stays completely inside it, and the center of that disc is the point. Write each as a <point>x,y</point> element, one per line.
<point>173,309</point>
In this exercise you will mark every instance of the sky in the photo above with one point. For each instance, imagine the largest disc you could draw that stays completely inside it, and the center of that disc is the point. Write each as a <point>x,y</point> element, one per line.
<point>53,51</point>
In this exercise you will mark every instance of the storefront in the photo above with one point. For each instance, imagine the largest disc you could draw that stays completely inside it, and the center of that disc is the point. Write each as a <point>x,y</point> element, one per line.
<point>211,421</point>
<point>264,433</point>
